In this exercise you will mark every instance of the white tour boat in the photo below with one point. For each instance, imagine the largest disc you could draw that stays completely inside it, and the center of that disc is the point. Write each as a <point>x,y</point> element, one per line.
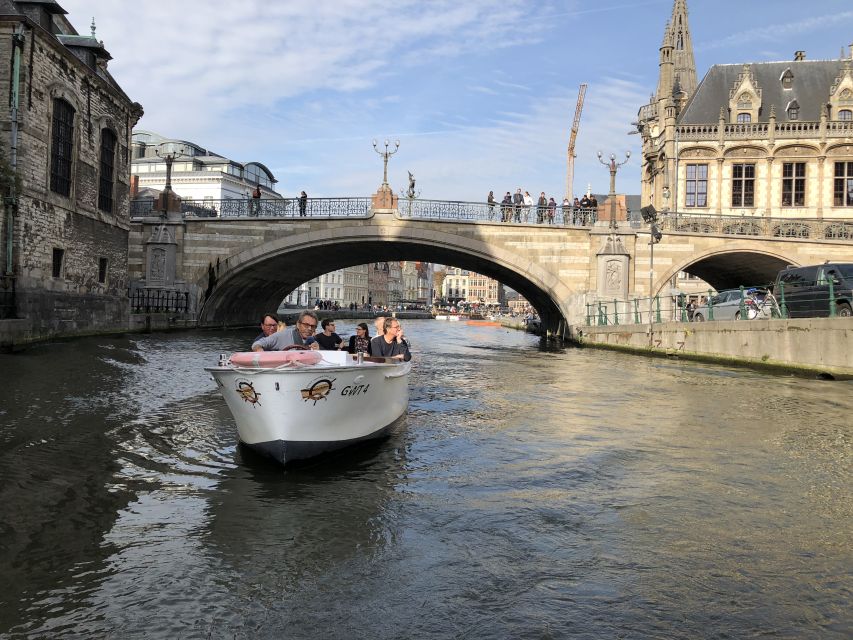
<point>292,405</point>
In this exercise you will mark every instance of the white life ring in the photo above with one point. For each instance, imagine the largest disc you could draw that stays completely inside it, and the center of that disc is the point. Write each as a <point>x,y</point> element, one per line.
<point>273,359</point>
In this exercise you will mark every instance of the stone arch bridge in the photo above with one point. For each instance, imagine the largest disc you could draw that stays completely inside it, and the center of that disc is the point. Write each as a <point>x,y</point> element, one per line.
<point>236,259</point>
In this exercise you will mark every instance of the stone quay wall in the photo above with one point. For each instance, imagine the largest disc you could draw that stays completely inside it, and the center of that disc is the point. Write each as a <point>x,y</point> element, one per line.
<point>809,346</point>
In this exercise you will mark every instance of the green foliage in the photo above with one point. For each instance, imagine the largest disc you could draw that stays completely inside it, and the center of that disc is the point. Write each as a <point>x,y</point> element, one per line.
<point>10,183</point>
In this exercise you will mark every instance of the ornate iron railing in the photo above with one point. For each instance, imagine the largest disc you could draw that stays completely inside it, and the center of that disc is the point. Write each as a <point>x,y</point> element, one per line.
<point>159,301</point>
<point>457,211</point>
<point>804,228</point>
<point>263,208</point>
<point>8,305</point>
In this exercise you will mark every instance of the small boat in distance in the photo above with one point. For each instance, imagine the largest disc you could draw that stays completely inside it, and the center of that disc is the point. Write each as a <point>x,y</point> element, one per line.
<point>292,405</point>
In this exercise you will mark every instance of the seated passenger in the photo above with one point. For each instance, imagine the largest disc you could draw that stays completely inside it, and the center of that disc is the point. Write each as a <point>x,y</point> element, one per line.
<point>327,338</point>
<point>270,326</point>
<point>303,333</point>
<point>387,345</point>
<point>360,342</point>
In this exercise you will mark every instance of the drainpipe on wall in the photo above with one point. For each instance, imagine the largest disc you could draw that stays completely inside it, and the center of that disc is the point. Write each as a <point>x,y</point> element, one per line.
<point>10,201</point>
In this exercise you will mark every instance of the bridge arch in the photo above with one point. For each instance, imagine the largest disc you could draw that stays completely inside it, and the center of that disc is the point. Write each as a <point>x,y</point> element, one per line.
<point>255,280</point>
<point>730,267</point>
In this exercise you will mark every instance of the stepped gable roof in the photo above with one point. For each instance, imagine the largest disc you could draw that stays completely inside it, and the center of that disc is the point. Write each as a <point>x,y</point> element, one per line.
<point>810,88</point>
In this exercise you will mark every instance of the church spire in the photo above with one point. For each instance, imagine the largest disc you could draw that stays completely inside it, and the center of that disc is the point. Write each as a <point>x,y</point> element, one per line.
<point>682,45</point>
<point>677,54</point>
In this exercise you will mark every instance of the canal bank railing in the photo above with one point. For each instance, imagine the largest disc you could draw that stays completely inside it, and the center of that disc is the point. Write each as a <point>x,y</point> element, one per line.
<point>158,301</point>
<point>821,299</point>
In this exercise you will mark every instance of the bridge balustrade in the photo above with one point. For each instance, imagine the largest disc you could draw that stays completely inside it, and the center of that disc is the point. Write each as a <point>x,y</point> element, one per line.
<point>759,226</point>
<point>459,211</point>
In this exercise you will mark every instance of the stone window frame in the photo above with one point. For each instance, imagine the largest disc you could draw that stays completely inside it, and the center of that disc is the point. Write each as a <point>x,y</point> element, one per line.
<point>842,189</point>
<point>744,118</point>
<point>845,115</point>
<point>692,192</point>
<point>58,263</point>
<point>794,184</point>
<point>62,122</point>
<point>62,92</point>
<point>744,196</point>
<point>103,270</point>
<point>107,171</point>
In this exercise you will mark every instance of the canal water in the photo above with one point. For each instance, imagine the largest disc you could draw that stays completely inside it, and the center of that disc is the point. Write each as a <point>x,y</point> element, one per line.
<point>530,493</point>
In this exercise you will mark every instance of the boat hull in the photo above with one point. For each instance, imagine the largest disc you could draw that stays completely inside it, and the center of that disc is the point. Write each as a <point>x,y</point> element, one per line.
<point>293,414</point>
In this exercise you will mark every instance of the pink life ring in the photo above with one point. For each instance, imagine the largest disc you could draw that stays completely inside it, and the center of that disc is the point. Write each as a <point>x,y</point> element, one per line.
<point>273,359</point>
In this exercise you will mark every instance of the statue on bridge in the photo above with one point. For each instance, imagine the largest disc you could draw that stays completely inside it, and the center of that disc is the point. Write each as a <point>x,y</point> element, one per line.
<point>411,191</point>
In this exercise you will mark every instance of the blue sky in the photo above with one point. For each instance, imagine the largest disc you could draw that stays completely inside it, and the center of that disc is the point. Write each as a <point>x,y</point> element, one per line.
<point>480,93</point>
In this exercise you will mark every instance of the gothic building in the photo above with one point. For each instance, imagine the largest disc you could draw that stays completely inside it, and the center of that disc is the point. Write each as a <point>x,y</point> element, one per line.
<point>65,167</point>
<point>768,139</point>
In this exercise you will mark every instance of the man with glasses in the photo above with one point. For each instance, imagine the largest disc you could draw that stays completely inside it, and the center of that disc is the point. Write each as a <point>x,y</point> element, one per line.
<point>328,339</point>
<point>303,333</point>
<point>271,334</point>
<point>387,345</point>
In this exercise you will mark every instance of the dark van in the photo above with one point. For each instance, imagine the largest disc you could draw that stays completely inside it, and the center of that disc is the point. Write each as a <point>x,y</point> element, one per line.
<point>807,289</point>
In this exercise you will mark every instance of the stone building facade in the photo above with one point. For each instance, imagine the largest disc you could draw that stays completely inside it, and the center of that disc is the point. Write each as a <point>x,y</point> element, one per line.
<point>67,127</point>
<point>759,139</point>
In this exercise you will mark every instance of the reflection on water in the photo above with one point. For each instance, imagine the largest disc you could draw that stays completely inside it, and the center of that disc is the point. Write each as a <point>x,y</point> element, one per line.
<point>529,493</point>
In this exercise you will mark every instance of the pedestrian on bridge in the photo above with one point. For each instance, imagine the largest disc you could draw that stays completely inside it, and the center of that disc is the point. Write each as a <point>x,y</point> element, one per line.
<point>303,204</point>
<point>518,202</point>
<point>506,207</point>
<point>491,202</point>
<point>541,206</point>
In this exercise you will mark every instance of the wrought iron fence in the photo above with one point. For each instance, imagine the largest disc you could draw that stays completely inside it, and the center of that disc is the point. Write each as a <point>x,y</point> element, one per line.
<point>263,208</point>
<point>159,301</point>
<point>804,228</point>
<point>8,305</point>
<point>457,211</point>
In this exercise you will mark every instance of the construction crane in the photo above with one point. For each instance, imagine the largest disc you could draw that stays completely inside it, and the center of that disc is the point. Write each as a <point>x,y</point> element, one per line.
<point>570,160</point>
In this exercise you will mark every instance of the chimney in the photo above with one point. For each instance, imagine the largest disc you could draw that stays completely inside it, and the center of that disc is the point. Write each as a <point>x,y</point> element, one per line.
<point>799,55</point>
<point>134,186</point>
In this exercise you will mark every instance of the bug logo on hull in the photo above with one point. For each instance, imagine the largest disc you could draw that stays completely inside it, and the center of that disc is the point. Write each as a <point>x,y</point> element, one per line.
<point>318,390</point>
<point>246,390</point>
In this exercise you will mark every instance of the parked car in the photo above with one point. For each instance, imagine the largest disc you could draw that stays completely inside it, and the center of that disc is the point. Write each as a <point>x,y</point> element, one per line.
<point>807,289</point>
<point>757,303</point>
<point>726,306</point>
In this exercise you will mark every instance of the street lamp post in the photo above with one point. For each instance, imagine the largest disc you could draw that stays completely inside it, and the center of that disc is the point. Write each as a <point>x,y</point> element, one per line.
<point>650,217</point>
<point>169,157</point>
<point>385,155</point>
<point>613,166</point>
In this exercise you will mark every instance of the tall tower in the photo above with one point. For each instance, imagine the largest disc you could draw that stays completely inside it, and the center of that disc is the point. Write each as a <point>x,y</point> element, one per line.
<point>679,69</point>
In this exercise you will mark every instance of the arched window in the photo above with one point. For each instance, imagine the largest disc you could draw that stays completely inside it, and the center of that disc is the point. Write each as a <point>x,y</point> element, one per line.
<point>107,179</point>
<point>845,114</point>
<point>744,101</point>
<point>744,118</point>
<point>61,148</point>
<point>787,79</point>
